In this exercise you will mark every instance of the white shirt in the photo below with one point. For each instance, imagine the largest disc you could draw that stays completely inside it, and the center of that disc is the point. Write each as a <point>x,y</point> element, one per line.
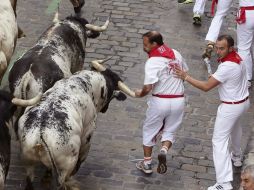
<point>159,72</point>
<point>233,80</point>
<point>246,3</point>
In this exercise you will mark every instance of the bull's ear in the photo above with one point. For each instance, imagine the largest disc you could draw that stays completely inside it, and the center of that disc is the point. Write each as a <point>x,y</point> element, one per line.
<point>119,95</point>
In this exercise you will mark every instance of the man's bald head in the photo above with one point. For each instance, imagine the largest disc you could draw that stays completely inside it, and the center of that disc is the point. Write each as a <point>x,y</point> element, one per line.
<point>154,37</point>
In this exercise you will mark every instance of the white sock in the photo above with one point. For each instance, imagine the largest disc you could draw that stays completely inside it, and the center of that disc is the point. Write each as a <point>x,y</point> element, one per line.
<point>147,160</point>
<point>164,149</point>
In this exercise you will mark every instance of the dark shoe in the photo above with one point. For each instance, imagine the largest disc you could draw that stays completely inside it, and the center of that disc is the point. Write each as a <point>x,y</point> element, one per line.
<point>146,168</point>
<point>185,1</point>
<point>162,166</point>
<point>249,84</point>
<point>197,19</point>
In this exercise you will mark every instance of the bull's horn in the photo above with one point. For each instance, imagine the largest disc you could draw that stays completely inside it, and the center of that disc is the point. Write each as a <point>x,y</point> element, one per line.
<point>56,17</point>
<point>24,103</point>
<point>98,28</point>
<point>97,64</point>
<point>124,88</point>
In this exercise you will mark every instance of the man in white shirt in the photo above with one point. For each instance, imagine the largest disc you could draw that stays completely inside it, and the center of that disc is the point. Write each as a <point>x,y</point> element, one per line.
<point>166,106</point>
<point>233,91</point>
<point>245,34</point>
<point>223,7</point>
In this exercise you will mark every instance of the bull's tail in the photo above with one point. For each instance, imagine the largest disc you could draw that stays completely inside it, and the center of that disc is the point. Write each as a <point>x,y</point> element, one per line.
<point>3,65</point>
<point>55,181</point>
<point>24,103</point>
<point>25,82</point>
<point>23,90</point>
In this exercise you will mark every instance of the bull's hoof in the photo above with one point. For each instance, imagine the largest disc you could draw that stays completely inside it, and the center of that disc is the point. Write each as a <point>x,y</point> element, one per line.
<point>46,179</point>
<point>21,34</point>
<point>29,185</point>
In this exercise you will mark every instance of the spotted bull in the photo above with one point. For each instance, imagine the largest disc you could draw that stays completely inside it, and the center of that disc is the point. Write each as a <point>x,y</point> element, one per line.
<point>59,52</point>
<point>58,130</point>
<point>7,108</point>
<point>8,34</point>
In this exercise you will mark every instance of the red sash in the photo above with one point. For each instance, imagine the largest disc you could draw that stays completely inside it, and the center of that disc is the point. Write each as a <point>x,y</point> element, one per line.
<point>241,17</point>
<point>214,2</point>
<point>232,56</point>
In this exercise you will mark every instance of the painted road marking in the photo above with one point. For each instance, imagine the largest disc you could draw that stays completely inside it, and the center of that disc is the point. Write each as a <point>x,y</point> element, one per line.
<point>17,55</point>
<point>52,6</point>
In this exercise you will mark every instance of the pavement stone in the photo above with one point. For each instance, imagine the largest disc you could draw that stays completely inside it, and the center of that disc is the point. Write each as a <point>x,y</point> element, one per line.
<point>116,144</point>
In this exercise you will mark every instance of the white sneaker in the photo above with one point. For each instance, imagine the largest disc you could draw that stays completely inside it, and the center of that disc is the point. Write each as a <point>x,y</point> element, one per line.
<point>221,186</point>
<point>237,160</point>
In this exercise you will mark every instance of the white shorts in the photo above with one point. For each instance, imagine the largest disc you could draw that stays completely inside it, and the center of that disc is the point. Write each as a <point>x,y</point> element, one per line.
<point>163,115</point>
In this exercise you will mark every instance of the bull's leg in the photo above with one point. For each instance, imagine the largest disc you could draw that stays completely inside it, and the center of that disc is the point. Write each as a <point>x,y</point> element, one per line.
<point>30,177</point>
<point>67,183</point>
<point>3,65</point>
<point>46,179</point>
<point>77,10</point>
<point>21,34</point>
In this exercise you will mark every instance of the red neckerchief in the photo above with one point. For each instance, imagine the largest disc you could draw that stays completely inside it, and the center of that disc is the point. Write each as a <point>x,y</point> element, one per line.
<point>241,18</point>
<point>232,56</point>
<point>162,51</point>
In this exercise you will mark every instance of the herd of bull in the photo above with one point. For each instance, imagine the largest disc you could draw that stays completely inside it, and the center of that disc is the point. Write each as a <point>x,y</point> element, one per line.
<point>53,103</point>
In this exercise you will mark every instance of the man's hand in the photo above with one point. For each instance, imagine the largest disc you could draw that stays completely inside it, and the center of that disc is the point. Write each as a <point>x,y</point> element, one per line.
<point>144,91</point>
<point>138,92</point>
<point>179,73</point>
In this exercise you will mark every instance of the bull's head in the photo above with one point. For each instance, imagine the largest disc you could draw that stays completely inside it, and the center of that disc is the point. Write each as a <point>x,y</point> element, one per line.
<point>115,87</point>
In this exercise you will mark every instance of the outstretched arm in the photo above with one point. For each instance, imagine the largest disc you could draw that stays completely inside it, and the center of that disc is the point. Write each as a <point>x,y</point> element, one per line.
<point>202,85</point>
<point>144,91</point>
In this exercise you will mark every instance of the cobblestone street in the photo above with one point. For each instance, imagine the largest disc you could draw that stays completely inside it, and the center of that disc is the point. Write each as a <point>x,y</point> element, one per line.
<point>117,141</point>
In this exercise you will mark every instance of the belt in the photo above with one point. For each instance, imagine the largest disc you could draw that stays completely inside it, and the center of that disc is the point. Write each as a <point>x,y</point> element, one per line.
<point>168,95</point>
<point>239,102</point>
<point>241,18</point>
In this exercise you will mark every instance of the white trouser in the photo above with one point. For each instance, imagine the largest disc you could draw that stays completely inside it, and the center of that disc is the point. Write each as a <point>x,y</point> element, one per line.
<point>199,7</point>
<point>245,33</point>
<point>222,9</point>
<point>167,111</point>
<point>227,127</point>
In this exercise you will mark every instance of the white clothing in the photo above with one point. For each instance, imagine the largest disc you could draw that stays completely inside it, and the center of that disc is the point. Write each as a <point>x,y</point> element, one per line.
<point>199,7</point>
<point>159,71</point>
<point>233,80</point>
<point>227,127</point>
<point>223,7</point>
<point>233,88</point>
<point>246,3</point>
<point>167,110</point>
<point>245,34</point>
